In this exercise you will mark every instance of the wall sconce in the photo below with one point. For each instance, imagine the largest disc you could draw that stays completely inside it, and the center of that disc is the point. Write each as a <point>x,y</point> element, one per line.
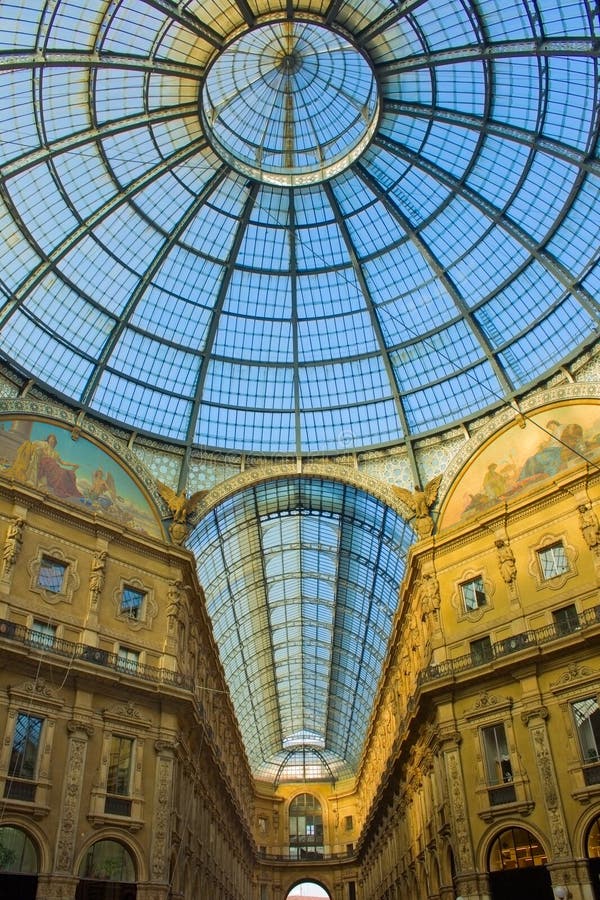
<point>561,892</point>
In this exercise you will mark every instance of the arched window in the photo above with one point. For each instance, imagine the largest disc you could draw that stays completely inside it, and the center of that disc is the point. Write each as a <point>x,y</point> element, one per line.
<point>306,828</point>
<point>108,861</point>
<point>516,848</point>
<point>593,840</point>
<point>17,852</point>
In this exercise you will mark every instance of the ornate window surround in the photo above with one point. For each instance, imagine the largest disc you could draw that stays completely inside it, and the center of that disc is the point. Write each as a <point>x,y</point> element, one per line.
<point>71,580</point>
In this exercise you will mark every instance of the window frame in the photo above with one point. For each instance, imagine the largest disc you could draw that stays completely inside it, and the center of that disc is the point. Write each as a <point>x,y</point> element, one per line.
<point>42,634</point>
<point>480,601</point>
<point>547,574</point>
<point>51,584</point>
<point>135,612</point>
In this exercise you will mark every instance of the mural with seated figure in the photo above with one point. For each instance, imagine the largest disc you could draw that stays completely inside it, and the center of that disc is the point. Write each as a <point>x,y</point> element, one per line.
<point>44,455</point>
<point>523,456</point>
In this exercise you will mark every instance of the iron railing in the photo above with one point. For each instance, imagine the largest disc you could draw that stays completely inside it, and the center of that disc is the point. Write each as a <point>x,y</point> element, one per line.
<point>530,639</point>
<point>68,650</point>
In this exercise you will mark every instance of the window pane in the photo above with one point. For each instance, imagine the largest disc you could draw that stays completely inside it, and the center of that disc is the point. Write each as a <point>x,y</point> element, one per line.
<point>587,721</point>
<point>131,602</point>
<point>52,574</point>
<point>553,561</point>
<point>473,593</point>
<point>119,766</point>
<point>497,759</point>
<point>25,747</point>
<point>42,634</point>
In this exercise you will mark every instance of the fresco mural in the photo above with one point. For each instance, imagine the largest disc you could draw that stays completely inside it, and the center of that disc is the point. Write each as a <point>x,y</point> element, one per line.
<point>44,455</point>
<point>521,458</point>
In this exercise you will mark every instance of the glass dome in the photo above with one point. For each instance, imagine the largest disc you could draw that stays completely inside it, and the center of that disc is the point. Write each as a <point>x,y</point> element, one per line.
<point>263,226</point>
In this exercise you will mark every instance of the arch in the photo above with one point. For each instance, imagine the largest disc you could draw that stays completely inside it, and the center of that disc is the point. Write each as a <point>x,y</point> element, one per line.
<point>516,862</point>
<point>108,860</point>
<point>305,827</point>
<point>81,468</point>
<point>19,853</point>
<point>132,847</point>
<point>19,862</point>
<point>508,839</point>
<point>513,454</point>
<point>307,882</point>
<point>591,851</point>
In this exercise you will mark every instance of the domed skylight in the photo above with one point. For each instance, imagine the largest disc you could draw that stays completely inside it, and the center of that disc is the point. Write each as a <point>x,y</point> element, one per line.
<point>444,260</point>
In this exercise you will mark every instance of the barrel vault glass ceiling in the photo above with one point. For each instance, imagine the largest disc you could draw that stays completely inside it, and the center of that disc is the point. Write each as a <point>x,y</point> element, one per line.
<point>283,228</point>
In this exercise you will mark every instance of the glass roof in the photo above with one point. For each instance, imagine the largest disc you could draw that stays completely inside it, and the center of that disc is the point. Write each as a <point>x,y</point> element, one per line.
<point>444,258</point>
<point>301,579</point>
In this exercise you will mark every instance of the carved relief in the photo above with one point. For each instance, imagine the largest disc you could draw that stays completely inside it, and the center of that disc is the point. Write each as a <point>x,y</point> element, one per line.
<point>459,812</point>
<point>162,811</point>
<point>547,774</point>
<point>65,845</point>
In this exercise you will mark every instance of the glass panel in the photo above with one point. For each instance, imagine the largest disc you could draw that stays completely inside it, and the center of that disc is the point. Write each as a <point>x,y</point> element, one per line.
<point>119,765</point>
<point>51,576</point>
<point>132,601</point>
<point>26,743</point>
<point>497,760</point>
<point>587,721</point>
<point>108,861</point>
<point>17,851</point>
<point>473,593</point>
<point>553,561</point>
<point>42,634</point>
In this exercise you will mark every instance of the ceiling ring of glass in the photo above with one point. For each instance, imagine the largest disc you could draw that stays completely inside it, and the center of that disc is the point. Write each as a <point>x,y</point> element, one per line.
<point>290,103</point>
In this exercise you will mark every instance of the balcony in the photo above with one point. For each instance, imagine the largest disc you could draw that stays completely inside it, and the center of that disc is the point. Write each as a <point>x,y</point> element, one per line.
<point>526,640</point>
<point>84,653</point>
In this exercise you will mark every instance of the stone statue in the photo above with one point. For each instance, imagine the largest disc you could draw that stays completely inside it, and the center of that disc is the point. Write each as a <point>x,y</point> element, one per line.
<point>590,527</point>
<point>97,576</point>
<point>175,596</point>
<point>12,544</point>
<point>420,502</point>
<point>430,595</point>
<point>506,561</point>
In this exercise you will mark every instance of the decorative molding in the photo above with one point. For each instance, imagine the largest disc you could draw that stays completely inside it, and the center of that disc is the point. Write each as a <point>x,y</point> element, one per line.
<point>149,608</point>
<point>557,582</point>
<point>507,810</point>
<point>575,676</point>
<point>487,704</point>
<point>71,578</point>
<point>539,712</point>
<point>125,713</point>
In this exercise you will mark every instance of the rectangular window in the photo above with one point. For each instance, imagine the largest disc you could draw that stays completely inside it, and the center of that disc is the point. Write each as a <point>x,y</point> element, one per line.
<point>553,561</point>
<point>132,602</point>
<point>481,650</point>
<point>566,619</point>
<point>473,594</point>
<point>498,766</point>
<point>22,765</point>
<point>41,634</point>
<point>51,575</point>
<point>587,721</point>
<point>495,751</point>
<point>119,766</point>
<point>127,660</point>
<point>25,748</point>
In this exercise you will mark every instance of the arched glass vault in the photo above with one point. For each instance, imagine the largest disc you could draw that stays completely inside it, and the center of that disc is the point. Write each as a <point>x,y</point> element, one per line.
<point>301,577</point>
<point>278,228</point>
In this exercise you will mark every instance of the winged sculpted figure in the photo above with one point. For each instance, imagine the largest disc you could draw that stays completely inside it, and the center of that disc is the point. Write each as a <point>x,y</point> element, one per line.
<point>420,502</point>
